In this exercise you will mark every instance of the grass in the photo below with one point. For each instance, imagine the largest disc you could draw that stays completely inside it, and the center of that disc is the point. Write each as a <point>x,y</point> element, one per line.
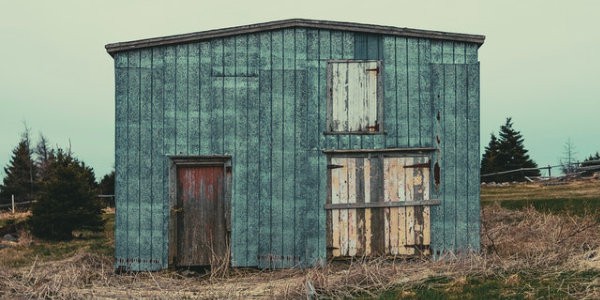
<point>575,198</point>
<point>527,253</point>
<point>29,249</point>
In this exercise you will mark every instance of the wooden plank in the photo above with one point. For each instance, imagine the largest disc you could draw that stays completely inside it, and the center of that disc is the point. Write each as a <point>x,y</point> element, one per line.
<point>324,40</point>
<point>402,92</point>
<point>121,146</point>
<point>414,118</point>
<point>437,213</point>
<point>360,45</point>
<point>471,53</point>
<point>241,55</point>
<point>374,46</point>
<point>418,183</point>
<point>145,158</point>
<point>402,179</point>
<point>461,157</point>
<point>390,193</point>
<point>204,98</point>
<point>337,178</point>
<point>389,83</point>
<point>343,198</point>
<point>337,46</point>
<point>347,45</point>
<point>436,52</point>
<point>253,155</point>
<point>459,53</point>
<point>239,234</point>
<point>169,146</point>
<point>473,144</point>
<point>217,101</point>
<point>386,150</point>
<point>447,52</point>
<point>301,188</point>
<point>352,213</point>
<point>367,200</point>
<point>426,209</point>
<point>193,85</point>
<point>133,160</point>
<point>264,152</point>
<point>253,55</point>
<point>409,210</point>
<point>217,115</point>
<point>229,57</point>
<point>181,101</point>
<point>339,96</point>
<point>159,199</point>
<point>230,115</point>
<point>431,202</point>
<point>377,214</point>
<point>449,165</point>
<point>425,105</point>
<point>371,99</point>
<point>277,155</point>
<point>289,148</point>
<point>313,131</point>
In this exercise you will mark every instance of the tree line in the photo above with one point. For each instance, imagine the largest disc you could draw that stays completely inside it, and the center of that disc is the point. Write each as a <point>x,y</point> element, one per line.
<point>62,187</point>
<point>507,152</point>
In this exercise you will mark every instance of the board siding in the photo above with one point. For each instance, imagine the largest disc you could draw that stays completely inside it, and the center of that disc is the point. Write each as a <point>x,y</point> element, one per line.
<point>262,99</point>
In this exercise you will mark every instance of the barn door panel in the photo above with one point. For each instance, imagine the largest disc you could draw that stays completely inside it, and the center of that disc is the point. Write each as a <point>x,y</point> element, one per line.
<point>375,206</point>
<point>201,222</point>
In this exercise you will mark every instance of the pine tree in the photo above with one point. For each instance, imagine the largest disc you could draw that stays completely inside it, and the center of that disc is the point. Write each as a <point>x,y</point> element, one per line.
<point>20,179</point>
<point>67,200</point>
<point>488,159</point>
<point>511,155</point>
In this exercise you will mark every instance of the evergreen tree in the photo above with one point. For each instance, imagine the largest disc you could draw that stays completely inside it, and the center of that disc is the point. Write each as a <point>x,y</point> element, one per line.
<point>66,200</point>
<point>488,159</point>
<point>20,179</point>
<point>591,161</point>
<point>511,155</point>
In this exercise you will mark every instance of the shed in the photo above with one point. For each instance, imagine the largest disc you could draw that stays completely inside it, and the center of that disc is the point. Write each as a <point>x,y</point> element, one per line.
<point>287,143</point>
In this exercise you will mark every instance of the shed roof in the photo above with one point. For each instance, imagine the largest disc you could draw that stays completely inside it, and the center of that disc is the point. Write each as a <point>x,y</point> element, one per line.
<point>292,23</point>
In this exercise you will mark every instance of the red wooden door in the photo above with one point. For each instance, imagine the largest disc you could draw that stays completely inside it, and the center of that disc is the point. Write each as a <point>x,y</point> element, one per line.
<point>201,223</point>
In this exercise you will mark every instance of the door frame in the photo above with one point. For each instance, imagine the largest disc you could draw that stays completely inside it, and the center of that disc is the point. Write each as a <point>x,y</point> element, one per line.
<point>195,160</point>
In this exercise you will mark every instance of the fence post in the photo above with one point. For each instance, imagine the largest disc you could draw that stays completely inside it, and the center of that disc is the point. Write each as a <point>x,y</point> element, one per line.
<point>13,203</point>
<point>549,172</point>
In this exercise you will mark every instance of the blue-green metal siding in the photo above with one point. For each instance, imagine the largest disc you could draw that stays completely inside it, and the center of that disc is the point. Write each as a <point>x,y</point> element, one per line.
<point>261,98</point>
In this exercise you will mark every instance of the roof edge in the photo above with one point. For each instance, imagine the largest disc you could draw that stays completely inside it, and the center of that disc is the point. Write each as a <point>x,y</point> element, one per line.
<point>291,23</point>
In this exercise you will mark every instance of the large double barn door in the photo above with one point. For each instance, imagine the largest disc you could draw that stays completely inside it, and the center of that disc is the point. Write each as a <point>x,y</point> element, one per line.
<point>378,205</point>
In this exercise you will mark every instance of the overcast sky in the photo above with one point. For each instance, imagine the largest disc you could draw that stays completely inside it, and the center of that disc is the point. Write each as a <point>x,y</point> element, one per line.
<point>539,63</point>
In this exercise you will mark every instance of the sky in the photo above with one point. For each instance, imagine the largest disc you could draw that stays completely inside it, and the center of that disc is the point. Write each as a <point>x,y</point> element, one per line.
<point>539,63</point>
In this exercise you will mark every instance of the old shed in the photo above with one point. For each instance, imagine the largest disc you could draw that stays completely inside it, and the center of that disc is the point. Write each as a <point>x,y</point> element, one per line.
<point>285,143</point>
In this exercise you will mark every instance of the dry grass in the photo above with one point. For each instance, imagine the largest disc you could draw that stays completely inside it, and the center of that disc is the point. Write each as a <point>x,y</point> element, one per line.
<point>580,189</point>
<point>515,244</point>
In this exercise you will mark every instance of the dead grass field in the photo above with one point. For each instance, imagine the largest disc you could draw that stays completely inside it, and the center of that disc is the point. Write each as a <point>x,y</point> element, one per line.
<point>525,254</point>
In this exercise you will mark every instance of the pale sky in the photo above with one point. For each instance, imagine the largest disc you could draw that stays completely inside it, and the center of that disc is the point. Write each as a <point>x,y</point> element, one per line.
<point>539,63</point>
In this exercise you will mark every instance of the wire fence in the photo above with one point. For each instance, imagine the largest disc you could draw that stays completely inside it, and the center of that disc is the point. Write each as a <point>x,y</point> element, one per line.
<point>108,200</point>
<point>568,169</point>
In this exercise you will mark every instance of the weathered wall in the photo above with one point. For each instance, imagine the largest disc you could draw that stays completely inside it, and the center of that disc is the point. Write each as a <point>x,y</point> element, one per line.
<point>261,98</point>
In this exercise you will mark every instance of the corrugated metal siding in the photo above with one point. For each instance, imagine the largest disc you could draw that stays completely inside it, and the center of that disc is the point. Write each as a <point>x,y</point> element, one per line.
<point>261,98</point>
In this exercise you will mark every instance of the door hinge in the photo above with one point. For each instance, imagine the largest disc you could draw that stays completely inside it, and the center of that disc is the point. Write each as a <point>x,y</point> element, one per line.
<point>334,166</point>
<point>425,165</point>
<point>373,70</point>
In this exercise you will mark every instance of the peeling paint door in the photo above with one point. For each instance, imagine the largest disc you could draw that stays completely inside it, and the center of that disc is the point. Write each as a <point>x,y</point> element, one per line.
<point>201,217</point>
<point>378,206</point>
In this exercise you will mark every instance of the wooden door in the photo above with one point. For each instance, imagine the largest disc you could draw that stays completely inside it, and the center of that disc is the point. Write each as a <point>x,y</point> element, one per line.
<point>378,206</point>
<point>201,214</point>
